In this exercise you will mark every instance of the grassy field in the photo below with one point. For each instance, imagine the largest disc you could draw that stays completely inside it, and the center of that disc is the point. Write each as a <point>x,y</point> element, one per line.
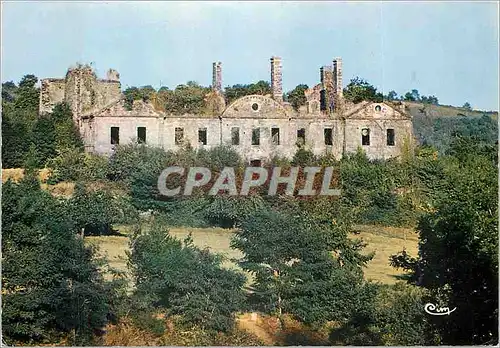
<point>384,241</point>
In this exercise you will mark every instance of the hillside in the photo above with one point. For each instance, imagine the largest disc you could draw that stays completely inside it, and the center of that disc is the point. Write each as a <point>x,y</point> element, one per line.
<point>436,111</point>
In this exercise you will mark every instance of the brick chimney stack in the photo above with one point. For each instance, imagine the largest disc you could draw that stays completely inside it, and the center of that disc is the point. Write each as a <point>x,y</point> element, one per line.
<point>337,76</point>
<point>276,79</point>
<point>217,76</point>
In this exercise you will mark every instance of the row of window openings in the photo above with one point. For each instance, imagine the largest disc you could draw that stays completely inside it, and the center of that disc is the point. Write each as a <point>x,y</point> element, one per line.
<point>235,136</point>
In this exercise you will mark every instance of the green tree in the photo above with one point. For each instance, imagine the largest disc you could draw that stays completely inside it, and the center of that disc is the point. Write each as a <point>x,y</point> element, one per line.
<point>359,90</point>
<point>184,280</point>
<point>393,316</point>
<point>67,134</point>
<point>467,106</point>
<point>51,284</point>
<point>296,97</point>
<point>306,268</point>
<point>43,136</point>
<point>19,114</point>
<point>458,246</point>
<point>392,95</point>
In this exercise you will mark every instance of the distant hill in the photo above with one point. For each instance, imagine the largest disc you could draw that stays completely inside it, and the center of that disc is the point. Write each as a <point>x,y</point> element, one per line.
<point>435,111</point>
<point>437,125</point>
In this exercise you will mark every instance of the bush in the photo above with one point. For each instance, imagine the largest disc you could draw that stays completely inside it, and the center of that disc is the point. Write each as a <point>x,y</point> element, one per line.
<point>184,280</point>
<point>291,257</point>
<point>94,213</point>
<point>51,283</point>
<point>393,316</point>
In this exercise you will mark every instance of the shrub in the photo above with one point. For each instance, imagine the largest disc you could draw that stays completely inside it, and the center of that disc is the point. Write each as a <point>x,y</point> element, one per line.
<point>184,280</point>
<point>51,284</point>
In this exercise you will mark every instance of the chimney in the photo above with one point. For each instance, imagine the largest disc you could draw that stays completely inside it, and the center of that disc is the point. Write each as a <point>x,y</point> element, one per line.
<point>328,88</point>
<point>113,75</point>
<point>337,76</point>
<point>217,76</point>
<point>276,79</point>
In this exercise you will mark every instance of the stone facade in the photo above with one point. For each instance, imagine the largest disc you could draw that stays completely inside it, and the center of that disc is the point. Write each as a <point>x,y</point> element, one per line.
<point>258,127</point>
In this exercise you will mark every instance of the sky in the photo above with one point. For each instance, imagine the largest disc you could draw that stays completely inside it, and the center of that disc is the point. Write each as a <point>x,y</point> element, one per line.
<point>446,49</point>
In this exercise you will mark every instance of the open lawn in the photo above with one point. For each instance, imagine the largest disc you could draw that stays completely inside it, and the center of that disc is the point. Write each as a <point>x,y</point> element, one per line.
<point>383,240</point>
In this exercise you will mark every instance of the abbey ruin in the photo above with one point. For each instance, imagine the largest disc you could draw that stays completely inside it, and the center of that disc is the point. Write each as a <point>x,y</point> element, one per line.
<point>258,127</point>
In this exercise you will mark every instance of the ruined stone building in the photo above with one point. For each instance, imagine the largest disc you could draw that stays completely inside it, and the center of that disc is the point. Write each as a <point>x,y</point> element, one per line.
<point>258,127</point>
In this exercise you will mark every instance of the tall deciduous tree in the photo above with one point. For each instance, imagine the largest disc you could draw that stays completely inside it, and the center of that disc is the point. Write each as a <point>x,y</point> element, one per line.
<point>458,246</point>
<point>304,267</point>
<point>51,285</point>
<point>359,90</point>
<point>184,280</point>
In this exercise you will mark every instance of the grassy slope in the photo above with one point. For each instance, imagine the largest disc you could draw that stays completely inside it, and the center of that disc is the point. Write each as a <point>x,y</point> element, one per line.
<point>383,240</point>
<point>415,109</point>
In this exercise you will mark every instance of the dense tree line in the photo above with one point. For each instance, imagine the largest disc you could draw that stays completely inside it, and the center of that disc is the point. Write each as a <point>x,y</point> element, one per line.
<point>27,139</point>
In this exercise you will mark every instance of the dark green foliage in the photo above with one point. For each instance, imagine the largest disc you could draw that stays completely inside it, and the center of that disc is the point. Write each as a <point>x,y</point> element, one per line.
<point>296,97</point>
<point>67,135</point>
<point>393,315</point>
<point>303,158</point>
<point>93,213</point>
<point>237,91</point>
<point>229,211</point>
<point>43,136</point>
<point>370,189</point>
<point>53,133</point>
<point>9,90</point>
<point>439,132</point>
<point>19,113</point>
<point>73,165</point>
<point>184,280</point>
<point>295,268</point>
<point>50,281</point>
<point>458,245</point>
<point>30,140</point>
<point>359,90</point>
<point>15,142</point>
<point>392,95</point>
<point>133,93</point>
<point>429,100</point>
<point>185,99</point>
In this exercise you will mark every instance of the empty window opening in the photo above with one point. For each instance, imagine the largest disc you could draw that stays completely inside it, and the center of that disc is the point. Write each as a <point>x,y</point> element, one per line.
<point>301,135</point>
<point>235,136</point>
<point>202,136</point>
<point>179,135</point>
<point>141,135</point>
<point>378,108</point>
<point>365,136</point>
<point>328,136</point>
<point>115,135</point>
<point>275,135</point>
<point>391,135</point>
<point>255,163</point>
<point>256,136</point>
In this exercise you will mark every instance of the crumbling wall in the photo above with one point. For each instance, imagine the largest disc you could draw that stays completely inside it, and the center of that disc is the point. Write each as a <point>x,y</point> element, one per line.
<point>51,93</point>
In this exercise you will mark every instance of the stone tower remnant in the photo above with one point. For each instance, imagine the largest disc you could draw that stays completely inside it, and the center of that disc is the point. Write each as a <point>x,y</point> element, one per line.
<point>276,79</point>
<point>113,75</point>
<point>328,88</point>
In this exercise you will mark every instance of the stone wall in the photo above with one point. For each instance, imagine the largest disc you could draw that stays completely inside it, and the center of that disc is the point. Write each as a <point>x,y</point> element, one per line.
<point>81,90</point>
<point>51,93</point>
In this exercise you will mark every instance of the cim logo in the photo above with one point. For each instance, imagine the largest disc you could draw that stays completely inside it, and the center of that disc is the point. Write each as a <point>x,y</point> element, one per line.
<point>432,309</point>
